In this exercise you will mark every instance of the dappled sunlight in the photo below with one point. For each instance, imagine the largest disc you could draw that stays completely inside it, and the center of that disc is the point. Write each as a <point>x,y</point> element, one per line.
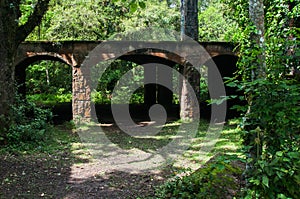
<point>111,148</point>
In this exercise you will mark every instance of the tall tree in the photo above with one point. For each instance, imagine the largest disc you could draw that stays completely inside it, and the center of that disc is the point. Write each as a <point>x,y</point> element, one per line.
<point>268,50</point>
<point>12,33</point>
<point>189,27</point>
<point>256,13</point>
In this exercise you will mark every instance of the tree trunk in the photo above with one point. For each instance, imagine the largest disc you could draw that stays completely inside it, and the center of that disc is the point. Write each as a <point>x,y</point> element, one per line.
<point>6,88</point>
<point>11,35</point>
<point>256,13</point>
<point>7,46</point>
<point>191,19</point>
<point>6,82</point>
<point>189,26</point>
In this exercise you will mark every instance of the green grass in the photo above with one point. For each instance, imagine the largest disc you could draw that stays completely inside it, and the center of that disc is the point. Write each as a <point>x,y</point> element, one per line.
<point>229,142</point>
<point>63,146</point>
<point>213,174</point>
<point>146,143</point>
<point>63,137</point>
<point>58,139</point>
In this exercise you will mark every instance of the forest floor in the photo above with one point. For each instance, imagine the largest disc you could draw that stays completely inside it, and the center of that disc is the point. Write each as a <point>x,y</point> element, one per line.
<point>65,168</point>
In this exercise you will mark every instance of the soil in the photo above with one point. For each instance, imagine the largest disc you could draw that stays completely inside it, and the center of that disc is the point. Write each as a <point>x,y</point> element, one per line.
<point>58,177</point>
<point>73,175</point>
<point>65,175</point>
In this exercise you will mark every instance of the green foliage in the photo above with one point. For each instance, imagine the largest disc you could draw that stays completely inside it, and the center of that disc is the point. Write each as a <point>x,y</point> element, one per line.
<point>157,14</point>
<point>216,179</point>
<point>101,20</point>
<point>271,125</point>
<point>110,79</point>
<point>26,8</point>
<point>100,97</point>
<point>48,77</point>
<point>214,24</point>
<point>49,82</point>
<point>272,134</point>
<point>80,20</point>
<point>204,95</point>
<point>49,99</point>
<point>29,125</point>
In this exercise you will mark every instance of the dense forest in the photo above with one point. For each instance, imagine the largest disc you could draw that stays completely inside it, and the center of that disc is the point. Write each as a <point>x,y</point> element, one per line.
<point>266,35</point>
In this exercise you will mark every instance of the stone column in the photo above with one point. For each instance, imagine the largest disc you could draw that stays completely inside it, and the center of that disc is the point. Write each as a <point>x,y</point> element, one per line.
<point>81,90</point>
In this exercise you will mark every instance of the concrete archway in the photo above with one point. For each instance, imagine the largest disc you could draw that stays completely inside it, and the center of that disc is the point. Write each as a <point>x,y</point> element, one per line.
<point>62,111</point>
<point>20,69</point>
<point>153,93</point>
<point>226,65</point>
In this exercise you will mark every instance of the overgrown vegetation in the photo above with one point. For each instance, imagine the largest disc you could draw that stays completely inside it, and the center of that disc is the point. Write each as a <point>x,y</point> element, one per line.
<point>271,123</point>
<point>270,127</point>
<point>29,126</point>
<point>219,178</point>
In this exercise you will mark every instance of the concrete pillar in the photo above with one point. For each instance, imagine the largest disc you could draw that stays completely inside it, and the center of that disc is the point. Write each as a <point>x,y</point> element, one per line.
<point>81,90</point>
<point>150,89</point>
<point>165,95</point>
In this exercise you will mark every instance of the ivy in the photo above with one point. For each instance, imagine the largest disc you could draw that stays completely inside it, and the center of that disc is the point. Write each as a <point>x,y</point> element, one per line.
<point>272,116</point>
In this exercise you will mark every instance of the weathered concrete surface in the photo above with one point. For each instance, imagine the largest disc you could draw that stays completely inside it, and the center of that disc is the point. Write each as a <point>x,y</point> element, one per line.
<point>74,53</point>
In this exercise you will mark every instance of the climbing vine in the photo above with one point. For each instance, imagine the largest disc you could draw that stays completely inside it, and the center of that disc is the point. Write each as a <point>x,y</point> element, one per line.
<point>271,122</point>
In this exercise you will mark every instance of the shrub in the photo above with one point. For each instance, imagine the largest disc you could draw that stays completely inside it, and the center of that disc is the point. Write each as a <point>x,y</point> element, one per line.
<point>272,141</point>
<point>217,179</point>
<point>28,124</point>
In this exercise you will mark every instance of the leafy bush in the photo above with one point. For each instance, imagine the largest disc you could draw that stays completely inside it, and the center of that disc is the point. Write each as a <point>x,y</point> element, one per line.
<point>272,139</point>
<point>217,179</point>
<point>29,124</point>
<point>49,99</point>
<point>271,124</point>
<point>99,97</point>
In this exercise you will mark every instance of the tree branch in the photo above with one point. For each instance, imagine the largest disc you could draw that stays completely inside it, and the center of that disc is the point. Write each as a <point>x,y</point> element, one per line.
<point>33,20</point>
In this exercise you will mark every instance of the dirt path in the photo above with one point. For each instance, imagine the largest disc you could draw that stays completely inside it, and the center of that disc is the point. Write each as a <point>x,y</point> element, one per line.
<point>71,174</point>
<point>61,176</point>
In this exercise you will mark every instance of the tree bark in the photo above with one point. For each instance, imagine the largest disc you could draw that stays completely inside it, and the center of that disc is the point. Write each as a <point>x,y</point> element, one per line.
<point>189,27</point>
<point>191,19</point>
<point>256,13</point>
<point>11,35</point>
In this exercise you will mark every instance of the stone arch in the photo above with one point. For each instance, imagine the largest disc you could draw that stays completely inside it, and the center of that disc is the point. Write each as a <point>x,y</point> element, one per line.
<point>226,64</point>
<point>20,68</point>
<point>154,93</point>
<point>157,93</point>
<point>74,53</point>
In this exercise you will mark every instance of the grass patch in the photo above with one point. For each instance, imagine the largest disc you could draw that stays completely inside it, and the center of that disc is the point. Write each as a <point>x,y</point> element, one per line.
<point>228,142</point>
<point>221,177</point>
<point>58,139</point>
<point>146,143</point>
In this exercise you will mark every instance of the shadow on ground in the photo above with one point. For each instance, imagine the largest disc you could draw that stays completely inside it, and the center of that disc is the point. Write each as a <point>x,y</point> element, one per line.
<point>61,174</point>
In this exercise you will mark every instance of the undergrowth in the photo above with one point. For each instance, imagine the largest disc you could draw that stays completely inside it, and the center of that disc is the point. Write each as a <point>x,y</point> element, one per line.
<point>219,178</point>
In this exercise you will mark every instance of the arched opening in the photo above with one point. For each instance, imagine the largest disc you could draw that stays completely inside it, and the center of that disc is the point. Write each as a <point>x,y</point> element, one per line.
<point>144,68</point>
<point>226,65</point>
<point>47,81</point>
